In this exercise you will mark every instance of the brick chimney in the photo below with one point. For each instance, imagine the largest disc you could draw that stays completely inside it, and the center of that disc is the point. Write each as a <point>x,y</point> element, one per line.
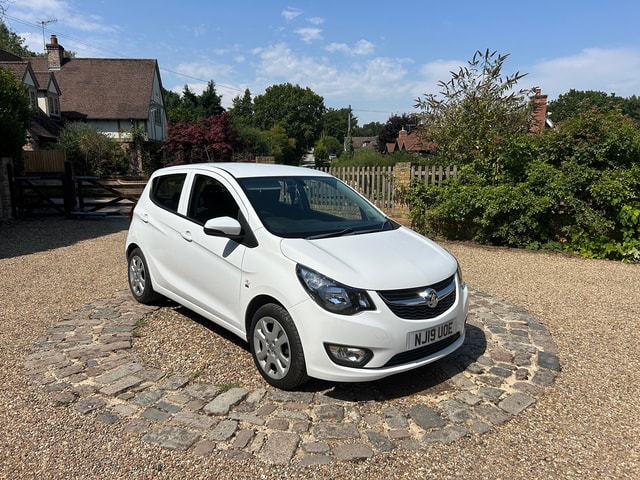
<point>55,54</point>
<point>539,112</point>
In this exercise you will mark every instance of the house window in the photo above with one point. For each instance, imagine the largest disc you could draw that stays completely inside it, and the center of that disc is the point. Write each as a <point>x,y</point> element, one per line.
<point>54,106</point>
<point>33,99</point>
<point>157,116</point>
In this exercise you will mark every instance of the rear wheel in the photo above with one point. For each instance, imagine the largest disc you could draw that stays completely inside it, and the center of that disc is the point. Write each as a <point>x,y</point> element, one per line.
<point>276,348</point>
<point>139,278</point>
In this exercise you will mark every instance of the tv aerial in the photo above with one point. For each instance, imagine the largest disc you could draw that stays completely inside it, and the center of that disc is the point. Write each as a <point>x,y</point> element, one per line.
<point>43,23</point>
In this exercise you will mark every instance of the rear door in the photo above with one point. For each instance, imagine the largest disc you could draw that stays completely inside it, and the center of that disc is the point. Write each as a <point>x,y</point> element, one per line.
<point>157,230</point>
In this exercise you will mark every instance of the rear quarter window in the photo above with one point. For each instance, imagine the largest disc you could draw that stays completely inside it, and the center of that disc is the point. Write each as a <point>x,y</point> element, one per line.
<point>166,190</point>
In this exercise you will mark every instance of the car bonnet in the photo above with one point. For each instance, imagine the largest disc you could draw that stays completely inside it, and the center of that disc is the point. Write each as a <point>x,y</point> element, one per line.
<point>386,260</point>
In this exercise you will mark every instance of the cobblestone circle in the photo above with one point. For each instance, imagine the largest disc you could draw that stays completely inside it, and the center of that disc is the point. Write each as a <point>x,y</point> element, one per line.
<point>86,363</point>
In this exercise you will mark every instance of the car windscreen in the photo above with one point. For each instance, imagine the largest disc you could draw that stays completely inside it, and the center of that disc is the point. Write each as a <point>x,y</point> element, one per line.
<point>311,207</point>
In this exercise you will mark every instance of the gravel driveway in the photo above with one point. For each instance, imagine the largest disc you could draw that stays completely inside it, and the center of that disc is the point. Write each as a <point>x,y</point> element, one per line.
<point>586,425</point>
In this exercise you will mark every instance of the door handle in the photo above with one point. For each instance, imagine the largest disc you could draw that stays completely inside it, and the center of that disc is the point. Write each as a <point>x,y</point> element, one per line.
<point>186,235</point>
<point>144,217</point>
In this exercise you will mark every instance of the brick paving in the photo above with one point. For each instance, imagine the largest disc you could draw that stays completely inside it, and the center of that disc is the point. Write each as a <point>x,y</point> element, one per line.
<point>86,363</point>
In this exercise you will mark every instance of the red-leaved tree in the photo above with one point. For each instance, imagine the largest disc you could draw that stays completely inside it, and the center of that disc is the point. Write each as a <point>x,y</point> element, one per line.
<point>211,139</point>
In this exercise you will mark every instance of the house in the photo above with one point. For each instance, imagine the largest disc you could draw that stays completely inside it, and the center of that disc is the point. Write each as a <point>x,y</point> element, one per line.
<point>43,95</point>
<point>117,96</point>
<point>359,143</point>
<point>121,98</point>
<point>411,142</point>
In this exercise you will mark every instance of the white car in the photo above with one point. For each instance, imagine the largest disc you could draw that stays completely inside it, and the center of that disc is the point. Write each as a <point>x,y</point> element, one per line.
<point>313,276</point>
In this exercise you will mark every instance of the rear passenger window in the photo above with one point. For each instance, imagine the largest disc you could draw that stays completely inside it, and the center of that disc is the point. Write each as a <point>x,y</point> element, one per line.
<point>166,190</point>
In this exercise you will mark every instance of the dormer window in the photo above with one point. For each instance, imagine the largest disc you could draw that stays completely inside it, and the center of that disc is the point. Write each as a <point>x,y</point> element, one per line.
<point>54,106</point>
<point>33,98</point>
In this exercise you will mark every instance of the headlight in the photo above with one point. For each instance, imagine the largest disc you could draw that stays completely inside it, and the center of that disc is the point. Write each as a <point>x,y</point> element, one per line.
<point>331,295</point>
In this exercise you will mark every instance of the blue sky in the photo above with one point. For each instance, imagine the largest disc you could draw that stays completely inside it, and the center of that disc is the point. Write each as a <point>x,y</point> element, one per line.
<point>377,56</point>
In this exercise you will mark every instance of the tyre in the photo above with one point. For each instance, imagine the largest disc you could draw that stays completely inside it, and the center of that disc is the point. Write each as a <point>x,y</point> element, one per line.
<point>139,278</point>
<point>276,348</point>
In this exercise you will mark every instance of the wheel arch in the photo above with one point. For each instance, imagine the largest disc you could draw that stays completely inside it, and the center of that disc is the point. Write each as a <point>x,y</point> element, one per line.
<point>130,248</point>
<point>253,307</point>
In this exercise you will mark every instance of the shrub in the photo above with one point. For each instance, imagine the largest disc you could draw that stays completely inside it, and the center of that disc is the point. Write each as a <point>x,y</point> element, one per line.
<point>576,188</point>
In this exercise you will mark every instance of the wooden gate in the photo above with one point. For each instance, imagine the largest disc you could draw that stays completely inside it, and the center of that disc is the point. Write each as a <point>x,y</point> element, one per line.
<point>62,194</point>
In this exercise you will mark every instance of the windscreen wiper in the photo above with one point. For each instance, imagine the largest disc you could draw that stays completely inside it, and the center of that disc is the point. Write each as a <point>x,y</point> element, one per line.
<point>338,233</point>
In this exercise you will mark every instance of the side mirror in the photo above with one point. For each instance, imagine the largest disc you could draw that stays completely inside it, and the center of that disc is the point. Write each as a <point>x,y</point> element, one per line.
<point>223,227</point>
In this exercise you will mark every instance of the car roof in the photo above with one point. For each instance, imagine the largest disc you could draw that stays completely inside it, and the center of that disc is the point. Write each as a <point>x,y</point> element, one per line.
<point>246,170</point>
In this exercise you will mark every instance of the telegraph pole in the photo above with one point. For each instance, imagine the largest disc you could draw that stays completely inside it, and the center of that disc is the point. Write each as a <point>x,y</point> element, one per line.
<point>43,23</point>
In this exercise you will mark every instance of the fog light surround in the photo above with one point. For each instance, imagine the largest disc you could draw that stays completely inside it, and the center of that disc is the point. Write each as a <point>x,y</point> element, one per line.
<point>348,356</point>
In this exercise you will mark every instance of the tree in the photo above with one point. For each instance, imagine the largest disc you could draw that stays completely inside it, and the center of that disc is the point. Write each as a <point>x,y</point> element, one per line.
<point>91,152</point>
<point>172,102</point>
<point>211,139</point>
<point>371,129</point>
<point>13,43</point>
<point>335,123</point>
<point>251,142</point>
<point>210,102</point>
<point>15,114</point>
<point>477,110</point>
<point>327,148</point>
<point>242,109</point>
<point>297,110</point>
<point>191,107</point>
<point>574,102</point>
<point>281,146</point>
<point>631,107</point>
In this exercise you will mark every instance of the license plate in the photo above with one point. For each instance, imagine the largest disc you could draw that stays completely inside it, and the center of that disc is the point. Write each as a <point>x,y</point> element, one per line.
<point>427,336</point>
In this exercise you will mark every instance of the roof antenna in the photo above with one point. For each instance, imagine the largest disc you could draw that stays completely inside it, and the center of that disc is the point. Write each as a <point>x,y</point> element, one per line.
<point>43,23</point>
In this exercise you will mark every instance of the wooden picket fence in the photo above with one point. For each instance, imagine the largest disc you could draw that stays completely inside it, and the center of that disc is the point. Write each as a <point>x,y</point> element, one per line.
<point>381,184</point>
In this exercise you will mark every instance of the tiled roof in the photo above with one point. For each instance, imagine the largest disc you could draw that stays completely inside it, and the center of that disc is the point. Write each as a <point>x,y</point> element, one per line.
<point>18,68</point>
<point>414,142</point>
<point>8,57</point>
<point>44,127</point>
<point>365,142</point>
<point>103,88</point>
<point>44,78</point>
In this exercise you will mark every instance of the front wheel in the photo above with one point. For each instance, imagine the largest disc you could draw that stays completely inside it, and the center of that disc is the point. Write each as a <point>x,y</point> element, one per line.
<point>276,348</point>
<point>139,278</point>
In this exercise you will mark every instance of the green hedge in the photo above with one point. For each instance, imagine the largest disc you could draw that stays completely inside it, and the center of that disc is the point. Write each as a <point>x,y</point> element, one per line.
<point>575,189</point>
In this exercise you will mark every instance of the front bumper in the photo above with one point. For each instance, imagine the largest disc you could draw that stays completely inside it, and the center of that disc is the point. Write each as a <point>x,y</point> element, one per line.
<point>380,331</point>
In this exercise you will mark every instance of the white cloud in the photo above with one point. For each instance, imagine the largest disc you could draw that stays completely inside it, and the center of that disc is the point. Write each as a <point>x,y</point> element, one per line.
<point>379,81</point>
<point>204,70</point>
<point>615,70</point>
<point>431,73</point>
<point>291,13</point>
<point>316,20</point>
<point>278,63</point>
<point>309,34</point>
<point>361,47</point>
<point>60,12</point>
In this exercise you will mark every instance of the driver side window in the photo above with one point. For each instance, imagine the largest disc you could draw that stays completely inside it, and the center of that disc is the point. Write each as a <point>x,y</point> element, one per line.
<point>210,199</point>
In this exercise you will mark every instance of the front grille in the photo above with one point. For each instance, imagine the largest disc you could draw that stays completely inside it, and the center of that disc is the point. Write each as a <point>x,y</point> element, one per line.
<point>410,304</point>
<point>422,352</point>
